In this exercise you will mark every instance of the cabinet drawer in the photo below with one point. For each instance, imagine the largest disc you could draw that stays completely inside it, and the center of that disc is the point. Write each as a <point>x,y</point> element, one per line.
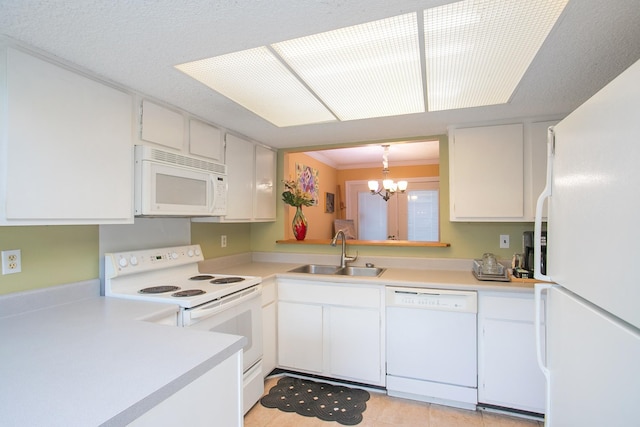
<point>332,294</point>
<point>516,308</point>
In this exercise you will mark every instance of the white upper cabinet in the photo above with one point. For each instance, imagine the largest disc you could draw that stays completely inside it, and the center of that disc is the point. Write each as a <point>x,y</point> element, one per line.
<point>251,172</point>
<point>240,172</point>
<point>486,176</point>
<point>176,129</point>
<point>66,145</point>
<point>206,141</point>
<point>161,125</point>
<point>265,185</point>
<point>497,172</point>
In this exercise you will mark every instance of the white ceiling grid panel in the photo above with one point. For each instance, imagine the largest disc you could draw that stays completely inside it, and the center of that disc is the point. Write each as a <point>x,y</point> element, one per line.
<point>478,50</point>
<point>363,71</point>
<point>257,80</point>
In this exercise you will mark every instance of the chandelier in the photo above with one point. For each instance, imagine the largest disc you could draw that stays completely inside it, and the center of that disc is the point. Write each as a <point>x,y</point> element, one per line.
<point>388,186</point>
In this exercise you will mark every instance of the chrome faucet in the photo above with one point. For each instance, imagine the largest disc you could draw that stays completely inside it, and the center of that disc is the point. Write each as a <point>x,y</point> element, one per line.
<point>344,259</point>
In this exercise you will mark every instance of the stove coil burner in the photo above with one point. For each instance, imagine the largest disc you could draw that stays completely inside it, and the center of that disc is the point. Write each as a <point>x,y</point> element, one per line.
<point>188,293</point>
<point>201,277</point>
<point>225,280</point>
<point>158,289</point>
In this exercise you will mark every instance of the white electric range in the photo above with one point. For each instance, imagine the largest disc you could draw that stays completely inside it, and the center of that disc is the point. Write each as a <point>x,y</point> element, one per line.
<point>211,302</point>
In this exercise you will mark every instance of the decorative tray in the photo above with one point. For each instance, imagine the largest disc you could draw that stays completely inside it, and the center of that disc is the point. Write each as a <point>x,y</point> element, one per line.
<point>502,275</point>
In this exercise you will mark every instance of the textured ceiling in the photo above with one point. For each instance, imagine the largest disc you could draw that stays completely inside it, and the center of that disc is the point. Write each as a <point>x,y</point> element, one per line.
<point>136,43</point>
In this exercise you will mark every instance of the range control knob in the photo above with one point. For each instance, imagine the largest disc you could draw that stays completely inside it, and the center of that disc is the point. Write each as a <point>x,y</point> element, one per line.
<point>197,251</point>
<point>174,255</point>
<point>190,253</point>
<point>123,262</point>
<point>133,260</point>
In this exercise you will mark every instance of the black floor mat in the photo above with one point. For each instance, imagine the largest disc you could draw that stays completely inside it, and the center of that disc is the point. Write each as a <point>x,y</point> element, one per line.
<point>315,399</point>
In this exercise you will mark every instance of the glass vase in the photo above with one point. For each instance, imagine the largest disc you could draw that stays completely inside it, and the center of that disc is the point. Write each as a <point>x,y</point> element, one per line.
<point>299,224</point>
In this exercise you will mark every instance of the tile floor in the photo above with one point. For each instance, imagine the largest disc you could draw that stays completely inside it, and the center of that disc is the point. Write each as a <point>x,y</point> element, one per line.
<point>385,411</point>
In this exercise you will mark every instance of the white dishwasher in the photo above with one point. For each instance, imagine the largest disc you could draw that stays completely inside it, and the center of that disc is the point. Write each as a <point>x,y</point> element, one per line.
<point>431,345</point>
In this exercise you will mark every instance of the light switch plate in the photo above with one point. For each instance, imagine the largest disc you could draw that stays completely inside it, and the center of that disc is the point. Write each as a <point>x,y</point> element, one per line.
<point>504,241</point>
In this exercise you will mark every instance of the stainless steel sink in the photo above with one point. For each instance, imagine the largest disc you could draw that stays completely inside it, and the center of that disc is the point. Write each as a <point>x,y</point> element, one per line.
<point>336,270</point>
<point>316,269</point>
<point>361,271</point>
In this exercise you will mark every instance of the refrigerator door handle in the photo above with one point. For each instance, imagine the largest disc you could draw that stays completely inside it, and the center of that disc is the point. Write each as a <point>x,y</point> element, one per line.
<point>538,289</point>
<point>546,193</point>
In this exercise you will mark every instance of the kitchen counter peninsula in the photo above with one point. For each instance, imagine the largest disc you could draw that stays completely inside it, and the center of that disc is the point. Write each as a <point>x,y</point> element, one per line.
<point>96,361</point>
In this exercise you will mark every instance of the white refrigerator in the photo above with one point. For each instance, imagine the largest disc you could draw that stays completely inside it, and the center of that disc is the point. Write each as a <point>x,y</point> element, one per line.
<point>592,356</point>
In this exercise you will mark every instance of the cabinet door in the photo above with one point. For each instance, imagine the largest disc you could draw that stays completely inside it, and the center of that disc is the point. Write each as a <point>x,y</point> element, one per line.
<point>486,173</point>
<point>206,141</point>
<point>354,344</point>
<point>265,186</point>
<point>300,336</point>
<point>508,371</point>
<point>161,125</point>
<point>67,150</point>
<point>240,174</point>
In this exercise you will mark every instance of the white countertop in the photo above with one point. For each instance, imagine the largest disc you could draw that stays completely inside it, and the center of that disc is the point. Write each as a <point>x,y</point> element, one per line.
<point>392,276</point>
<point>94,362</point>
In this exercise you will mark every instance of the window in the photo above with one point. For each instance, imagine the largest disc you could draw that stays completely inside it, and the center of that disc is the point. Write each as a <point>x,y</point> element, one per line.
<point>413,215</point>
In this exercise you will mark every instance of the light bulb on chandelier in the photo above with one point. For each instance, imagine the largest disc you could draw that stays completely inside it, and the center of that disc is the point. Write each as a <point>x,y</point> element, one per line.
<point>388,186</point>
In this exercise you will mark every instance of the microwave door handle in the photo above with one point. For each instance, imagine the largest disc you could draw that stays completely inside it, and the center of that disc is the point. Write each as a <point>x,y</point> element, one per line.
<point>214,193</point>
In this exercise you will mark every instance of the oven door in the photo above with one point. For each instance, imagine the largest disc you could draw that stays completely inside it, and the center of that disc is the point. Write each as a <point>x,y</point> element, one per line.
<point>237,314</point>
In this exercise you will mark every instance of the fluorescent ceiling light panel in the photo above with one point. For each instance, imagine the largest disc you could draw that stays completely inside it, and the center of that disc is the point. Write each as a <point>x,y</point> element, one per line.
<point>475,53</point>
<point>478,50</point>
<point>258,81</point>
<point>363,71</point>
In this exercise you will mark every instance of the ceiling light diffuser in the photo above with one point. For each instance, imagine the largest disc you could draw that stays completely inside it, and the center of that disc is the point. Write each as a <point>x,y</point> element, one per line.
<point>258,81</point>
<point>477,51</point>
<point>464,54</point>
<point>363,71</point>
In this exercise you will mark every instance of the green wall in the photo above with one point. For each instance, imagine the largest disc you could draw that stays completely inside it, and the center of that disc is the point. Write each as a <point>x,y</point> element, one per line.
<point>54,255</point>
<point>51,255</point>
<point>207,235</point>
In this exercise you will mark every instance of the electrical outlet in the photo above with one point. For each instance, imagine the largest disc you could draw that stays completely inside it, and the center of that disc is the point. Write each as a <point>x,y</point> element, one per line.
<point>223,241</point>
<point>504,241</point>
<point>11,262</point>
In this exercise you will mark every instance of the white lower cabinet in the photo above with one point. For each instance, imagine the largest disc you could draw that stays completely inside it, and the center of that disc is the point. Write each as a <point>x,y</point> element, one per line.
<point>300,336</point>
<point>332,329</point>
<point>355,350</point>
<point>251,173</point>
<point>508,373</point>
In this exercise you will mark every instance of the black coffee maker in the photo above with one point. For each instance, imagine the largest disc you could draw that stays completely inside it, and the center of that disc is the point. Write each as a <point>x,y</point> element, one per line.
<point>527,246</point>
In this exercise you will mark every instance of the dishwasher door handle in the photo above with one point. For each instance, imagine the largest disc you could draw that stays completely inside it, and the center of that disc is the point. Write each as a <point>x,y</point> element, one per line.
<point>415,293</point>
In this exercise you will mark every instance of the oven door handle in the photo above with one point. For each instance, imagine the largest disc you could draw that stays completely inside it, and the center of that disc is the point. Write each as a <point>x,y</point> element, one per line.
<point>225,302</point>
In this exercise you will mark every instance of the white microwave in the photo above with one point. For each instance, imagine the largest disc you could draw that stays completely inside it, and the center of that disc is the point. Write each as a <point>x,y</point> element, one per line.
<point>170,184</point>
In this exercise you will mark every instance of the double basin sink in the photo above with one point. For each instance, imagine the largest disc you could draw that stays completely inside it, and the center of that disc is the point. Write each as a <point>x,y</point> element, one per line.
<point>333,270</point>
